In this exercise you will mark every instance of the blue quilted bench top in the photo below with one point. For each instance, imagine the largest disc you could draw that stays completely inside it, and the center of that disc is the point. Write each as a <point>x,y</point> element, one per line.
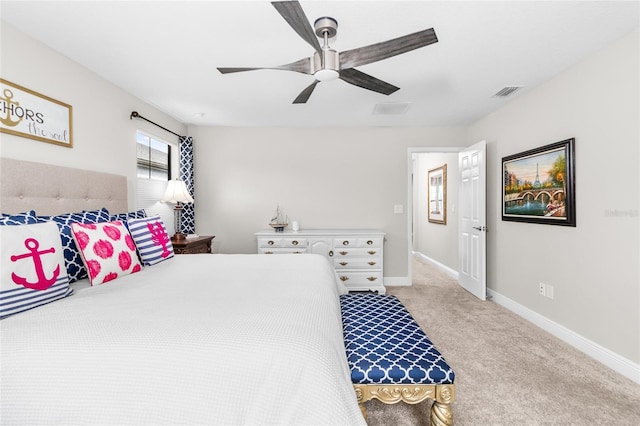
<point>385,345</point>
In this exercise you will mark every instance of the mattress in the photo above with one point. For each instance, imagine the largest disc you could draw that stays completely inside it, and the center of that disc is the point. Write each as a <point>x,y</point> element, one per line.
<point>196,339</point>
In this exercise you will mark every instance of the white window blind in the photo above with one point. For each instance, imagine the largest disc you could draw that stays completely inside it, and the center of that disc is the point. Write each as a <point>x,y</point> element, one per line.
<point>153,159</point>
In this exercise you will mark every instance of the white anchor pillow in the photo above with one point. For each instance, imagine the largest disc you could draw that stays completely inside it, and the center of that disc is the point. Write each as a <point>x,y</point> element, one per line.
<point>32,270</point>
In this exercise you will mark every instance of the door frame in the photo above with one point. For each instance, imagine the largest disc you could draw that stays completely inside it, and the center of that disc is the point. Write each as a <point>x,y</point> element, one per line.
<point>410,152</point>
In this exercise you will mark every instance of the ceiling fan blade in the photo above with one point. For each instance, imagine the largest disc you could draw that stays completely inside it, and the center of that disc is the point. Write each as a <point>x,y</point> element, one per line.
<point>360,79</point>
<point>386,49</point>
<point>292,12</point>
<point>302,66</point>
<point>303,97</point>
<point>232,70</point>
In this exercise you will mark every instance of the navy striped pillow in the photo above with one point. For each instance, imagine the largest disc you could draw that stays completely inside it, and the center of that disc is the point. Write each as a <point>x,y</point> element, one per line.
<point>152,239</point>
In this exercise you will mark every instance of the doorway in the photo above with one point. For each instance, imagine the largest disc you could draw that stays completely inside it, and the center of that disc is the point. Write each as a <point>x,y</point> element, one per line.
<point>457,245</point>
<point>433,239</point>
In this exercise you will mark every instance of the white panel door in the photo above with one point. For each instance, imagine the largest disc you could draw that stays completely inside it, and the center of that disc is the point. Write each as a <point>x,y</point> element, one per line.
<point>472,228</point>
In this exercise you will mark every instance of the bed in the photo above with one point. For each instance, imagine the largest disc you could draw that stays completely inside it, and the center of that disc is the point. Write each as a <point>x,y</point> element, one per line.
<point>193,339</point>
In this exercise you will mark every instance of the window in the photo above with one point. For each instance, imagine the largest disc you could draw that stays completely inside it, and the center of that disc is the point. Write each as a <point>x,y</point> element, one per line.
<point>153,158</point>
<point>153,171</point>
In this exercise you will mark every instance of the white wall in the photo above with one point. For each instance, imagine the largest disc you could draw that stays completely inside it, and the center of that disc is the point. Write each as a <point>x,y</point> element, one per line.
<point>104,138</point>
<point>593,267</point>
<point>322,177</point>
<point>436,241</point>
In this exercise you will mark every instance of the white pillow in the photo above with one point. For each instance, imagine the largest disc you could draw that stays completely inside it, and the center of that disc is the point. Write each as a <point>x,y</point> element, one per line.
<point>32,267</point>
<point>107,250</point>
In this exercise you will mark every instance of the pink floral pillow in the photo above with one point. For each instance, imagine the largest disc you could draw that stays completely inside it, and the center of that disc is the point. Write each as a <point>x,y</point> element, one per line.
<point>107,249</point>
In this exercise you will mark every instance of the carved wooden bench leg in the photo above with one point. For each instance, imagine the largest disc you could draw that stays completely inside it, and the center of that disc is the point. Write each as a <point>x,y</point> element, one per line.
<point>441,414</point>
<point>442,395</point>
<point>360,395</point>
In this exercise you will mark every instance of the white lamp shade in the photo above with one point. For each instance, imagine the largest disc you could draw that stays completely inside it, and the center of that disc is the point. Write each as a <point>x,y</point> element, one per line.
<point>176,192</point>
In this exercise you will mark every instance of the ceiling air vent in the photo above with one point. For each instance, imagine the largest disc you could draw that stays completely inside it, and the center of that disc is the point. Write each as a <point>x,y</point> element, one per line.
<point>506,91</point>
<point>391,108</point>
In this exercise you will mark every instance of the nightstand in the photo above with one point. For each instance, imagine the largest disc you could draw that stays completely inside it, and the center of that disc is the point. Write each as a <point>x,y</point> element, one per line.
<point>201,244</point>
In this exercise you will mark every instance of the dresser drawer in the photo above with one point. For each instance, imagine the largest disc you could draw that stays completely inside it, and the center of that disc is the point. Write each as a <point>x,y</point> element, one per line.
<point>356,255</point>
<point>351,279</point>
<point>279,250</point>
<point>282,242</point>
<point>340,252</point>
<point>357,263</point>
<point>357,242</point>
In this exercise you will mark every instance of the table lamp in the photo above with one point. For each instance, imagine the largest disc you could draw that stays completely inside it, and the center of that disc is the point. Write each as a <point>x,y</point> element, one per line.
<point>178,194</point>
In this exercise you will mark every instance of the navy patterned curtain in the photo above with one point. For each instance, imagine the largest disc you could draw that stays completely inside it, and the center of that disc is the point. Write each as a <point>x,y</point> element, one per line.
<point>188,225</point>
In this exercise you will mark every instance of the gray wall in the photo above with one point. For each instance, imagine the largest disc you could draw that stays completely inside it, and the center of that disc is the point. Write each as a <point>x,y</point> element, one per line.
<point>323,178</point>
<point>436,241</point>
<point>593,267</point>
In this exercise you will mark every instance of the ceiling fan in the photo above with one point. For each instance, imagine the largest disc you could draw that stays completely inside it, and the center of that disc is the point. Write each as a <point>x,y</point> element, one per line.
<point>329,64</point>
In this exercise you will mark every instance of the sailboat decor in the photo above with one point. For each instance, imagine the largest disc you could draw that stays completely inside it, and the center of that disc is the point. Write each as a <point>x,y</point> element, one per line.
<point>280,221</point>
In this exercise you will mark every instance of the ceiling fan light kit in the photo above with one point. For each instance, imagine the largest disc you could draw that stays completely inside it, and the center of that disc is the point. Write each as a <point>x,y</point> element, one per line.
<point>327,64</point>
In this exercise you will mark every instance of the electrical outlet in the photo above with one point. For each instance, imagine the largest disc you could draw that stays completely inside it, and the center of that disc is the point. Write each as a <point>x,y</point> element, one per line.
<point>542,289</point>
<point>549,291</point>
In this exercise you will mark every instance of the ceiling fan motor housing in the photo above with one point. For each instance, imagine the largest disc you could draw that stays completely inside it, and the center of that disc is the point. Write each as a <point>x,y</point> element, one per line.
<point>326,25</point>
<point>330,60</point>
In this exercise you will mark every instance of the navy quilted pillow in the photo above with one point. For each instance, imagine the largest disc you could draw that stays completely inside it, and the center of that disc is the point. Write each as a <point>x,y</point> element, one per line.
<point>139,214</point>
<point>72,258</point>
<point>26,218</point>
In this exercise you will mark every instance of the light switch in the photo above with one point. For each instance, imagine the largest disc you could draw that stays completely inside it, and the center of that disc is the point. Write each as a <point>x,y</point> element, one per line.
<point>398,208</point>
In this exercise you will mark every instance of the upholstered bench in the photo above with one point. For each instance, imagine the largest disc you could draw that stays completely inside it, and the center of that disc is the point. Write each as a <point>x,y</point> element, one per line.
<point>391,358</point>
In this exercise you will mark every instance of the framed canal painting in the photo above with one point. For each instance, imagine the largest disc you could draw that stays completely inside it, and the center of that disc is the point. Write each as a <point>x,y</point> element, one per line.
<point>538,185</point>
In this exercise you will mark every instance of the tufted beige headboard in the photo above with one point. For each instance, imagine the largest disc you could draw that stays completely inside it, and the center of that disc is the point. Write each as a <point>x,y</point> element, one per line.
<point>51,190</point>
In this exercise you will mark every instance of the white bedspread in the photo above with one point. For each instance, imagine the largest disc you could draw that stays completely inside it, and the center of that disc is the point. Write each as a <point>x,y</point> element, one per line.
<point>197,339</point>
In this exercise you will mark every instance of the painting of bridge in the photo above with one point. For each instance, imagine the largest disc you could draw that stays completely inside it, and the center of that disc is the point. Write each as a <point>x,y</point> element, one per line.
<point>538,185</point>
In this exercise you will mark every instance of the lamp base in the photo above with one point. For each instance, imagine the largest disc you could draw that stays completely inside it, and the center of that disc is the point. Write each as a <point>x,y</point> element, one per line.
<point>179,236</point>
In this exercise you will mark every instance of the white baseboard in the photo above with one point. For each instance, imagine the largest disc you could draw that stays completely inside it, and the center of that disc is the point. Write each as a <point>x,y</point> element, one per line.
<point>444,268</point>
<point>610,359</point>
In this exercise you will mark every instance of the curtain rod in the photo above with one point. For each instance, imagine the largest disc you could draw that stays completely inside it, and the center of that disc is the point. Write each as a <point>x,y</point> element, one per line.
<point>134,114</point>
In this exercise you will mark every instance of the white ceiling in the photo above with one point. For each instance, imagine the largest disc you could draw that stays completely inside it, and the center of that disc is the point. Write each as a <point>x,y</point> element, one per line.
<point>166,53</point>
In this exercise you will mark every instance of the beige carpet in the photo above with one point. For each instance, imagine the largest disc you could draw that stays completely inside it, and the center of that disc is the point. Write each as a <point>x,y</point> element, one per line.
<point>508,371</point>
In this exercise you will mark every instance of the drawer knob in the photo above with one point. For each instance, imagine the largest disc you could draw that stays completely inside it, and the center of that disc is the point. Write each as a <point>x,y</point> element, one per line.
<point>330,253</point>
<point>345,243</point>
<point>294,242</point>
<point>372,263</point>
<point>344,253</point>
<point>268,252</point>
<point>270,242</point>
<point>344,263</point>
<point>343,278</point>
<point>371,252</point>
<point>369,242</point>
<point>372,278</point>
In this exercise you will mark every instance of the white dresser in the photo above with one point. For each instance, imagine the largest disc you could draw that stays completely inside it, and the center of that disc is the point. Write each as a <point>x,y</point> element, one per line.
<point>356,255</point>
